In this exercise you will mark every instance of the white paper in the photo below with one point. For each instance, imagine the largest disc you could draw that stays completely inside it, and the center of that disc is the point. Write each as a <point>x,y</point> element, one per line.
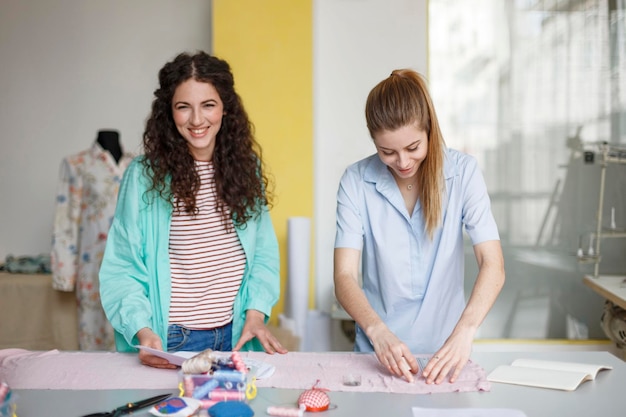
<point>467,412</point>
<point>175,358</point>
<point>545,374</point>
<point>590,369</point>
<point>298,263</point>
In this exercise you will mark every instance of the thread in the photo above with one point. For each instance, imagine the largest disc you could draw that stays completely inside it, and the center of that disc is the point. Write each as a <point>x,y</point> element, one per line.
<point>231,376</point>
<point>219,394</point>
<point>238,362</point>
<point>204,389</point>
<point>590,251</point>
<point>188,385</point>
<point>613,224</point>
<point>4,391</point>
<point>206,404</point>
<point>285,411</point>
<point>200,363</point>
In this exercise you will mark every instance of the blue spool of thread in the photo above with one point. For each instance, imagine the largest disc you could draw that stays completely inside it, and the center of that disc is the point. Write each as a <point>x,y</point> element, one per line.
<point>203,390</point>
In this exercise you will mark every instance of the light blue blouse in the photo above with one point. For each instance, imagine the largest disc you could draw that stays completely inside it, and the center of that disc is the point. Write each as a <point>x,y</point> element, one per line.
<point>413,283</point>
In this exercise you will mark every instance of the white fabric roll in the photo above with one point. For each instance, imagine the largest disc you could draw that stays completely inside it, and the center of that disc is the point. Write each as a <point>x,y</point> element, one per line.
<point>318,331</point>
<point>298,264</point>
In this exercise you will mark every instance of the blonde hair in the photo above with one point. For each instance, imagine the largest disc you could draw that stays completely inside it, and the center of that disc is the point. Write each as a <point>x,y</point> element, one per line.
<point>402,99</point>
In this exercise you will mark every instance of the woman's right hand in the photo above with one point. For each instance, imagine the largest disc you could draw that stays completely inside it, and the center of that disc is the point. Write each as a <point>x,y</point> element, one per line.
<point>150,339</point>
<point>392,353</point>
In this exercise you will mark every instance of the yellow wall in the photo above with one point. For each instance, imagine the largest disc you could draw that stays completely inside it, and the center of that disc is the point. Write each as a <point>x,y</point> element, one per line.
<point>269,45</point>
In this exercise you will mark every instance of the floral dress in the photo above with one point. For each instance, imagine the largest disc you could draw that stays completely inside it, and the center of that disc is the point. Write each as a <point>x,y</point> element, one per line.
<point>85,204</point>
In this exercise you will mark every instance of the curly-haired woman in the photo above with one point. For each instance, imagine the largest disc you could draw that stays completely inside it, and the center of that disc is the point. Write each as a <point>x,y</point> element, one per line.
<point>191,261</point>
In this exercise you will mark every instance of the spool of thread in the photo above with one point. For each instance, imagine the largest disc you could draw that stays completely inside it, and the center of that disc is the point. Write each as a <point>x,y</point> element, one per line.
<point>580,253</point>
<point>226,395</point>
<point>590,251</point>
<point>4,391</point>
<point>613,224</point>
<point>188,385</point>
<point>206,404</point>
<point>230,376</point>
<point>204,389</point>
<point>200,363</point>
<point>238,362</point>
<point>285,411</point>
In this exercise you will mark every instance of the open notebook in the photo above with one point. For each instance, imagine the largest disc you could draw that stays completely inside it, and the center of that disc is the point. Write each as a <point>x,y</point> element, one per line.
<point>546,374</point>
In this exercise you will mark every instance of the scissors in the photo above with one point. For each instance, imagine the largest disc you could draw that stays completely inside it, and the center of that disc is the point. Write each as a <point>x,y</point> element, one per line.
<point>130,407</point>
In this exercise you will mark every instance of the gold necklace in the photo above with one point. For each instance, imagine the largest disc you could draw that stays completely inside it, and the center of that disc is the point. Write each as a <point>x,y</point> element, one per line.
<point>409,187</point>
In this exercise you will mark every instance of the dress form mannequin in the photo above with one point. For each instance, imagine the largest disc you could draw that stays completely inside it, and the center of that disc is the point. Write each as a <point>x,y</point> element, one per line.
<point>110,141</point>
<point>85,204</point>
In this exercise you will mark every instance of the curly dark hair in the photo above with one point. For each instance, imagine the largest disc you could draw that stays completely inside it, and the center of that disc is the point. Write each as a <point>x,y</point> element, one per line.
<point>241,183</point>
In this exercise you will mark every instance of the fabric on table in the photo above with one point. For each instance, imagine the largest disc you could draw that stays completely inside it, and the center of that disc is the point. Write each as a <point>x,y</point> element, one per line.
<point>24,369</point>
<point>302,370</point>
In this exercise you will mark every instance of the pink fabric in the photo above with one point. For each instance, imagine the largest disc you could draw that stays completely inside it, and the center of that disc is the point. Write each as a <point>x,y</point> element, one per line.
<point>301,370</point>
<point>81,370</point>
<point>24,369</point>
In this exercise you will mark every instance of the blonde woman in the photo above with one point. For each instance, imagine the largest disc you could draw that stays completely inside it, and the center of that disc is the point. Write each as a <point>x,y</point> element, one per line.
<point>401,213</point>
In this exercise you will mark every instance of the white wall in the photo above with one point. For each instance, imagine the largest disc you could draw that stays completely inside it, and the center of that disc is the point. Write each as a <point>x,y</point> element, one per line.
<point>70,68</point>
<point>356,44</point>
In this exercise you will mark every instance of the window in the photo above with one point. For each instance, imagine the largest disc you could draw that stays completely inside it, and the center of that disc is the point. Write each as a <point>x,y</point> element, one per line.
<point>527,87</point>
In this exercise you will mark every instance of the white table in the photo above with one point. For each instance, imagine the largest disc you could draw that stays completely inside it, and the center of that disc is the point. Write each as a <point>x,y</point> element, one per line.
<point>603,396</point>
<point>611,287</point>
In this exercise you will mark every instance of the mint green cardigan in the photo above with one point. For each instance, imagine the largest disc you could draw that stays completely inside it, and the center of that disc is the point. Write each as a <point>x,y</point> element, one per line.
<point>135,284</point>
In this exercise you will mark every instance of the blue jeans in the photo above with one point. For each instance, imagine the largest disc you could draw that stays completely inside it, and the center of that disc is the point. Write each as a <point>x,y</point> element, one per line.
<point>182,338</point>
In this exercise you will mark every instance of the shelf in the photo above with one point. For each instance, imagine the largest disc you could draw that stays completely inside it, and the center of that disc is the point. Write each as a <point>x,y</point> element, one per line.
<point>615,160</point>
<point>613,233</point>
<point>588,259</point>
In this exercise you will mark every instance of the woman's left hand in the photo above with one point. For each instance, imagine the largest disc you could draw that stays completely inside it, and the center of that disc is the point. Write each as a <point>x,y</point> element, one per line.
<point>450,359</point>
<point>255,327</point>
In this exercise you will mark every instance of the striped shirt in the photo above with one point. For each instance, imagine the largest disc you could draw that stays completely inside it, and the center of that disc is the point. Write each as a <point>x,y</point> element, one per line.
<point>207,261</point>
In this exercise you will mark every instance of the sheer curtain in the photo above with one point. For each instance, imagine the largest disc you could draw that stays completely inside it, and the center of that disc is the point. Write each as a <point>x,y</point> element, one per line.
<point>528,87</point>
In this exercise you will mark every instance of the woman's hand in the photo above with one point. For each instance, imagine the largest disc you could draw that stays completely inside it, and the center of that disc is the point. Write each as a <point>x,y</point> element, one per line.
<point>150,339</point>
<point>255,327</point>
<point>451,358</point>
<point>455,352</point>
<point>392,353</point>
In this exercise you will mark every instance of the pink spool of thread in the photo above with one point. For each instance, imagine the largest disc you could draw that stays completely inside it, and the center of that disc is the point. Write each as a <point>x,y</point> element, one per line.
<point>226,395</point>
<point>285,411</point>
<point>188,385</point>
<point>238,362</point>
<point>206,404</point>
<point>4,391</point>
